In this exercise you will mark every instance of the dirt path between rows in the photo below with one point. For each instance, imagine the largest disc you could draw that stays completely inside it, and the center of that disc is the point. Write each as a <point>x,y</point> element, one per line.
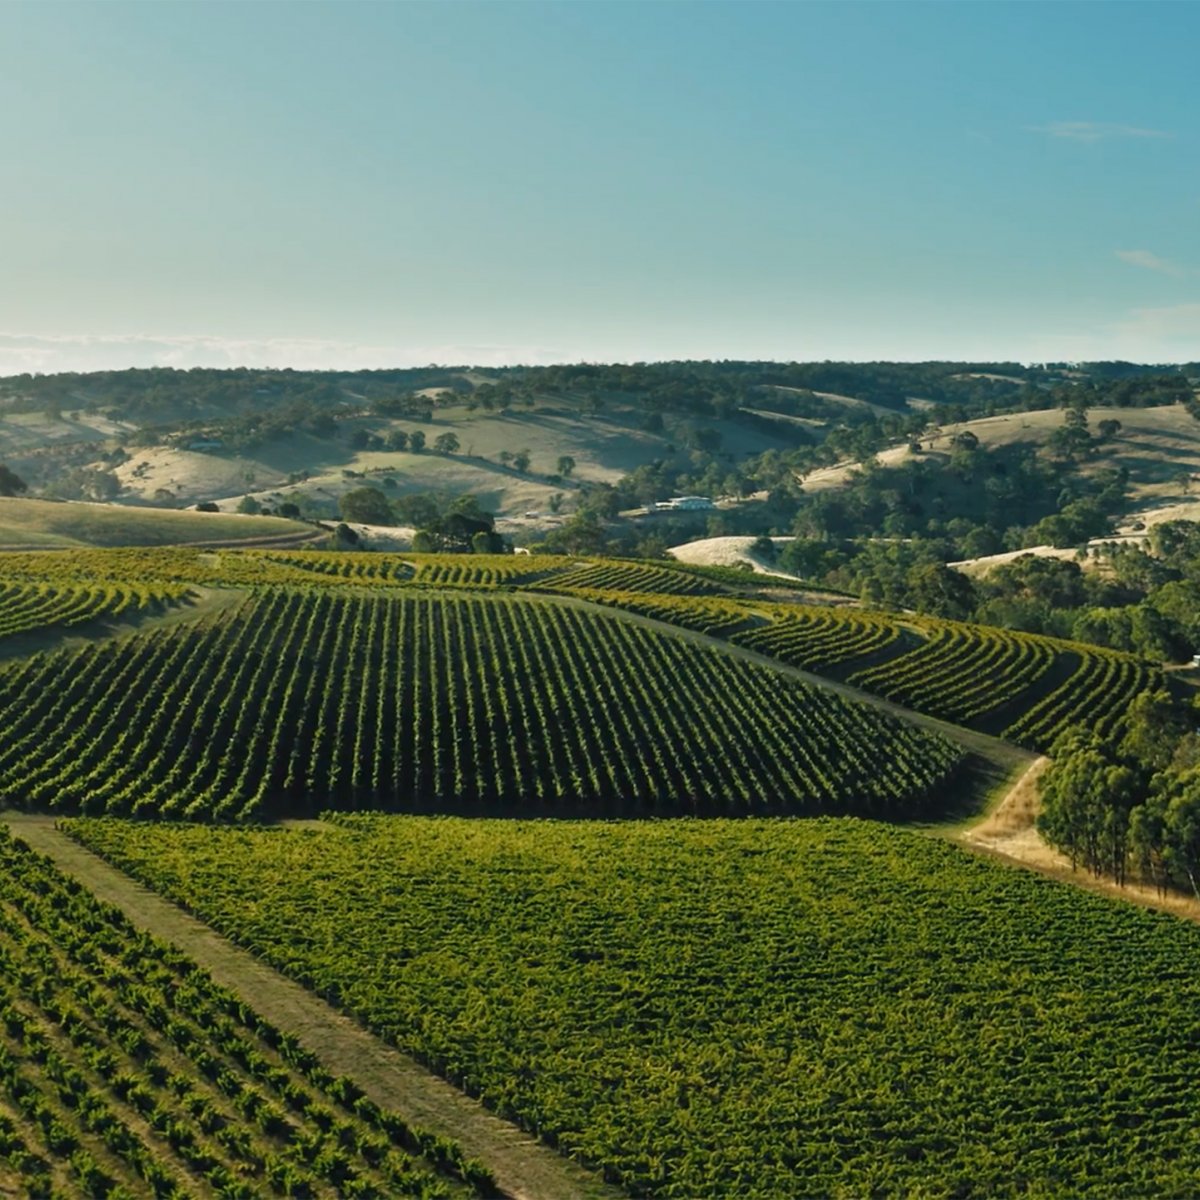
<point>523,1167</point>
<point>1009,833</point>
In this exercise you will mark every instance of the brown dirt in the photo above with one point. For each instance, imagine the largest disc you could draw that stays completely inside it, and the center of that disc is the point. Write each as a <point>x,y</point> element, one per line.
<point>1009,834</point>
<point>523,1167</point>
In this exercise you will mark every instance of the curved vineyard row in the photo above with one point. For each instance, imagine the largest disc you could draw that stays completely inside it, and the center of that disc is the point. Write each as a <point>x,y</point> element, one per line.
<point>1105,683</point>
<point>634,577</point>
<point>1022,686</point>
<point>1026,687</point>
<point>237,568</point>
<point>971,673</point>
<point>125,1071</point>
<point>715,616</point>
<point>305,699</point>
<point>755,1009</point>
<point>346,567</point>
<point>25,606</point>
<point>816,638</point>
<point>962,671</point>
<point>487,570</point>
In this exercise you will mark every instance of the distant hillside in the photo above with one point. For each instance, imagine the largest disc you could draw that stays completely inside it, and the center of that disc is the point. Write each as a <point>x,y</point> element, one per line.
<point>1159,447</point>
<point>539,446</point>
<point>44,523</point>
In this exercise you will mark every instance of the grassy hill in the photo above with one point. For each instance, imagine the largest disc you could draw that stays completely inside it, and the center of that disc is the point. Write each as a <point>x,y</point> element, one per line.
<point>1160,447</point>
<point>605,443</point>
<point>52,524</point>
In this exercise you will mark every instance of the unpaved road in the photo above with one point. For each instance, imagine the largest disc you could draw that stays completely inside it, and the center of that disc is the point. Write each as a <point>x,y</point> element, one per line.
<point>523,1167</point>
<point>1009,833</point>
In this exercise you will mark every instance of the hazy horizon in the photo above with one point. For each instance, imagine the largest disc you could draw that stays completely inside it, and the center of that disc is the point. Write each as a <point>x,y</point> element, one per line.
<point>352,186</point>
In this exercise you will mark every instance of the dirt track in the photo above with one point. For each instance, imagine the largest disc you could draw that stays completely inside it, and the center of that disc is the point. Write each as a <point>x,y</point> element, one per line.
<point>523,1167</point>
<point>1009,833</point>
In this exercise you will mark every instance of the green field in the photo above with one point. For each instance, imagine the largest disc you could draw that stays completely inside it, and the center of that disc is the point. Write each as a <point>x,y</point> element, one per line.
<point>757,1008</point>
<point>125,1071</point>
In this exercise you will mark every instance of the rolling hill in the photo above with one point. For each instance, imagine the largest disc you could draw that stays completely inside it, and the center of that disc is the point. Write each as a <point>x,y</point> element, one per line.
<point>62,524</point>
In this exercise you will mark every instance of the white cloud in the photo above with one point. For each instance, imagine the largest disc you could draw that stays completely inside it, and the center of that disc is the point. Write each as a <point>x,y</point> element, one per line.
<point>47,353</point>
<point>1096,131</point>
<point>1149,260</point>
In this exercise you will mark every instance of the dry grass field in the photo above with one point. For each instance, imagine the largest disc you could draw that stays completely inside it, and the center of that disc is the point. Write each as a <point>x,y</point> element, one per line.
<point>48,524</point>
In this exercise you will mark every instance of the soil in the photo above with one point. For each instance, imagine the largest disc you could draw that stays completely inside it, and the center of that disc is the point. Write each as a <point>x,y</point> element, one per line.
<point>1009,833</point>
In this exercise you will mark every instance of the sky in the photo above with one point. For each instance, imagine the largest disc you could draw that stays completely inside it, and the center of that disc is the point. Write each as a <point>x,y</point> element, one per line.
<point>352,185</point>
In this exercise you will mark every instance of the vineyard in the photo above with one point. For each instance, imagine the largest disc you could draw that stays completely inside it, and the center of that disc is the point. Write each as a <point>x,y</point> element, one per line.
<point>125,1071</point>
<point>634,577</point>
<point>1022,687</point>
<point>304,699</point>
<point>753,1008</point>
<point>26,606</point>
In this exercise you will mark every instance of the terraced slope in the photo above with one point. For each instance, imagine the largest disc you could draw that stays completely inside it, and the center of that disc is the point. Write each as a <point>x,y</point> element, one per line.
<point>125,1071</point>
<point>309,698</point>
<point>26,606</point>
<point>1018,686</point>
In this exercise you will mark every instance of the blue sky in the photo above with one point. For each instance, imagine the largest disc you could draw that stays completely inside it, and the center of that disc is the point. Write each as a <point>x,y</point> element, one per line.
<point>373,184</point>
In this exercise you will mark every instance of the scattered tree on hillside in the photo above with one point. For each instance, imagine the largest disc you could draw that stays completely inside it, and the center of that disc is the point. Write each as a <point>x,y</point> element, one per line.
<point>462,528</point>
<point>416,441</point>
<point>566,464</point>
<point>1072,439</point>
<point>366,506</point>
<point>1086,801</point>
<point>446,443</point>
<point>11,484</point>
<point>521,460</point>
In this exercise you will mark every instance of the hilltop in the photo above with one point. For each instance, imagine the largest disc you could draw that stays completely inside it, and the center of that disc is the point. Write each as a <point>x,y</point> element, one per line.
<point>961,461</point>
<point>1159,447</point>
<point>58,524</point>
